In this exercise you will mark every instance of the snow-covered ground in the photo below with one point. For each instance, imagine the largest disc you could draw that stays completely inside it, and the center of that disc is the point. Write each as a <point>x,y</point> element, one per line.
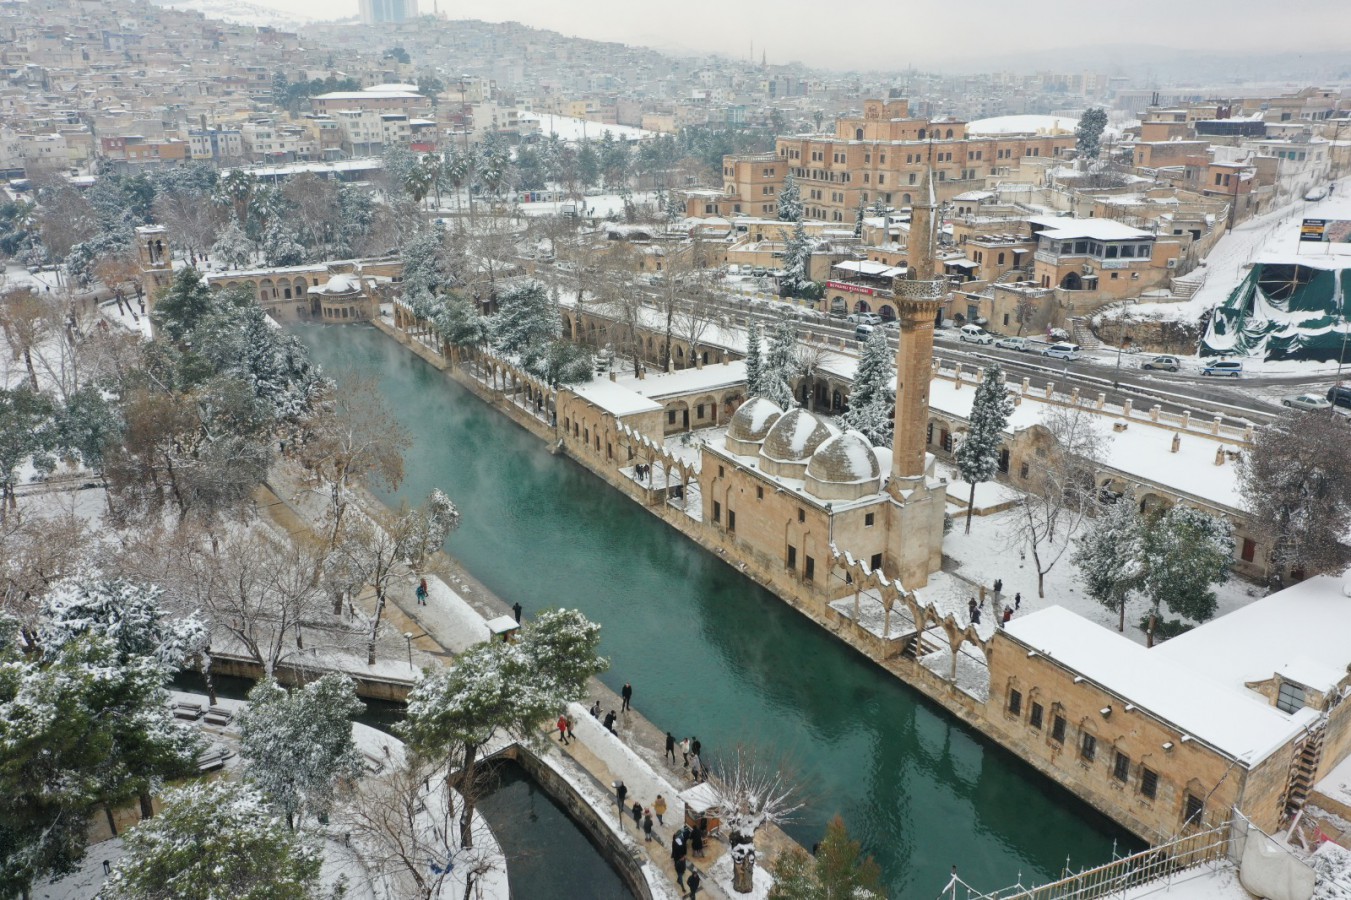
<point>573,130</point>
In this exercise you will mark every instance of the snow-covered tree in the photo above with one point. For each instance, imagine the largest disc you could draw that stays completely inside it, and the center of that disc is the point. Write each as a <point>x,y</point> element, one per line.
<point>790,200</point>
<point>871,400</point>
<point>978,454</point>
<point>187,304</point>
<point>755,367</point>
<point>459,323</point>
<point>837,870</point>
<point>750,794</point>
<point>780,369</point>
<point>495,687</point>
<point>858,220</point>
<point>424,263</point>
<point>1110,555</point>
<point>26,434</point>
<point>565,363</point>
<point>215,840</point>
<point>297,745</point>
<point>422,530</point>
<point>1296,485</point>
<point>280,247</point>
<point>527,320</point>
<point>674,209</point>
<point>1187,552</point>
<point>1088,133</point>
<point>797,261</point>
<point>272,362</point>
<point>131,615</point>
<point>233,249</point>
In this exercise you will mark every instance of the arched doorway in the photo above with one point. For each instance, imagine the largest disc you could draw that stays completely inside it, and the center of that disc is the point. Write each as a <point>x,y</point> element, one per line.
<point>1072,282</point>
<point>862,306</point>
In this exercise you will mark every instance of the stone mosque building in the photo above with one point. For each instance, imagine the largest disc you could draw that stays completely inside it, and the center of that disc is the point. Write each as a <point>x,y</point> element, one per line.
<point>784,488</point>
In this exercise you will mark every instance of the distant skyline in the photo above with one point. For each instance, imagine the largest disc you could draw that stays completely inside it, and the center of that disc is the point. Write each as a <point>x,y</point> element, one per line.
<point>933,35</point>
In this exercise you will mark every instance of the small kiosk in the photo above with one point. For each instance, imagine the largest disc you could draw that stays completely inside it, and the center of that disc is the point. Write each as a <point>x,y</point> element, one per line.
<point>701,805</point>
<point>504,627</point>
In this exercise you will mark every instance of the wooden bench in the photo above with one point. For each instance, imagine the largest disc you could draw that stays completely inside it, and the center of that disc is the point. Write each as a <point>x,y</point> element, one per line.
<point>190,711</point>
<point>219,716</point>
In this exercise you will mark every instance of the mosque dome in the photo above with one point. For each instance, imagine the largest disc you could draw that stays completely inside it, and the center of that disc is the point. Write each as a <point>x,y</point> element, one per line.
<point>844,459</point>
<point>795,437</point>
<point>340,284</point>
<point>749,425</point>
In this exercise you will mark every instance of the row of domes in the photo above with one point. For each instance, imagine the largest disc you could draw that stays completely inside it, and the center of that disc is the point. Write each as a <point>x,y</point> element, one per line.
<point>835,464</point>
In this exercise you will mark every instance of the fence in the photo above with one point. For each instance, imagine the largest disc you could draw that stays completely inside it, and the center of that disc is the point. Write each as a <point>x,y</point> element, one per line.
<point>1114,878</point>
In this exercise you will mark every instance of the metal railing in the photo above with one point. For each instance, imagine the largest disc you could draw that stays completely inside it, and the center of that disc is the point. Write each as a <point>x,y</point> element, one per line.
<point>1161,863</point>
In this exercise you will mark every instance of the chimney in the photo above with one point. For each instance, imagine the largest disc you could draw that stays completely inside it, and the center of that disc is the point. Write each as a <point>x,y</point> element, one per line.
<point>1177,442</point>
<point>1126,409</point>
<point>612,375</point>
<point>1219,455</point>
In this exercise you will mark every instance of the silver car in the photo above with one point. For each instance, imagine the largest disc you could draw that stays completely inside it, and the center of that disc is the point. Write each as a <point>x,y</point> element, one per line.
<point>1306,401</point>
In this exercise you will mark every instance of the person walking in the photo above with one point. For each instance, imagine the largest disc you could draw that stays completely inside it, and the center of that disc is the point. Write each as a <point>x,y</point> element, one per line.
<point>421,592</point>
<point>647,826</point>
<point>1008,614</point>
<point>696,768</point>
<point>696,748</point>
<point>516,608</point>
<point>563,730</point>
<point>975,617</point>
<point>621,791</point>
<point>626,694</point>
<point>610,721</point>
<point>568,717</point>
<point>595,710</point>
<point>697,838</point>
<point>971,610</point>
<point>670,747</point>
<point>998,587</point>
<point>659,807</point>
<point>678,845</point>
<point>637,812</point>
<point>694,882</point>
<point>1018,600</point>
<point>680,872</point>
<point>685,751</point>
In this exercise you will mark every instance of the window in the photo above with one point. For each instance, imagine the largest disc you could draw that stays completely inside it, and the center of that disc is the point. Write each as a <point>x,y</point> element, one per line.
<point>1193,810</point>
<point>1058,729</point>
<point>1088,747</point>
<point>792,557</point>
<point>719,471</point>
<point>1149,782</point>
<point>731,520</point>
<point>1290,697</point>
<point>670,417</point>
<point>876,562</point>
<point>810,571</point>
<point>869,519</point>
<point>801,514</point>
<point>1249,550</point>
<point>1015,703</point>
<point>1034,716</point>
<point>1121,767</point>
<point>1022,471</point>
<point>759,493</point>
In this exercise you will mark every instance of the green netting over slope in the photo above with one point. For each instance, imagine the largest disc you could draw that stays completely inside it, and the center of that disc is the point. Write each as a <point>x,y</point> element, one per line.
<point>1283,311</point>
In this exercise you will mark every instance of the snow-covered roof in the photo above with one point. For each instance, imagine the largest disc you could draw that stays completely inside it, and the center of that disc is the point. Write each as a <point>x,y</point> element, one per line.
<point>687,381</point>
<point>1030,124</point>
<point>370,95</point>
<point>615,398</point>
<point>1236,721</point>
<point>870,268</point>
<point>1302,633</point>
<point>1093,229</point>
<point>340,284</point>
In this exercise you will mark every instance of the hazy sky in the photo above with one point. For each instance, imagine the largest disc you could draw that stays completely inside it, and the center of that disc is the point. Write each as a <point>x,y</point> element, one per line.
<point>892,33</point>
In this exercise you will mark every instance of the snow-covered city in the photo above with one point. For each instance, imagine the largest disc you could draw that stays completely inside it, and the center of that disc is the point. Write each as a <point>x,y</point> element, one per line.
<point>582,457</point>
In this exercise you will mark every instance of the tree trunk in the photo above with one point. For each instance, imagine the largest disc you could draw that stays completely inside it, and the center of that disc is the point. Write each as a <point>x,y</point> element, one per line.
<point>466,785</point>
<point>1149,632</point>
<point>1041,575</point>
<point>112,823</point>
<point>1121,625</point>
<point>743,864</point>
<point>147,806</point>
<point>970,507</point>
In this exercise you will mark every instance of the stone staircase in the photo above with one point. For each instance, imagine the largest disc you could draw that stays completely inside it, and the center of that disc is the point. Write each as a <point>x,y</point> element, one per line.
<point>1185,288</point>
<point>1082,335</point>
<point>1303,769</point>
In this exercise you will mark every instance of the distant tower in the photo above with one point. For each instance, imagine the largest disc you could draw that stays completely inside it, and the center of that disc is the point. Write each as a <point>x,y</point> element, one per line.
<point>155,257</point>
<point>918,295</point>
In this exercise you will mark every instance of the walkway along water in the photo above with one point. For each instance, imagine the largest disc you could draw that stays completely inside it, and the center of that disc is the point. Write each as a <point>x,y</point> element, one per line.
<point>710,653</point>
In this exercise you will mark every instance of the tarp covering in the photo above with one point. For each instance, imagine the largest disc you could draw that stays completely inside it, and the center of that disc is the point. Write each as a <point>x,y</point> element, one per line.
<point>1283,311</point>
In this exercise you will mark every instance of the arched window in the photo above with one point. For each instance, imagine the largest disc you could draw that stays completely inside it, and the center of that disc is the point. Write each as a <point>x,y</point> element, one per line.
<point>922,133</point>
<point>1001,259</point>
<point>858,134</point>
<point>949,134</point>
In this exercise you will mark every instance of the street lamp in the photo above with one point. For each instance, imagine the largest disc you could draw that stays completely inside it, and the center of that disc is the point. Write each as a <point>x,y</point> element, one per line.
<point>408,639</point>
<point>1116,377</point>
<point>465,119</point>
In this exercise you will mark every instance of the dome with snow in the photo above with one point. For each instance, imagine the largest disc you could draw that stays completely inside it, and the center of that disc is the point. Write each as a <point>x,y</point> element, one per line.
<point>792,441</point>
<point>749,425</point>
<point>845,467</point>
<point>340,285</point>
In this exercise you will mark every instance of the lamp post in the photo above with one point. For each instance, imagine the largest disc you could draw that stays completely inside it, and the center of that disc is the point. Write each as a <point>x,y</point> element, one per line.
<point>408,639</point>
<point>465,119</point>
<point>1116,376</point>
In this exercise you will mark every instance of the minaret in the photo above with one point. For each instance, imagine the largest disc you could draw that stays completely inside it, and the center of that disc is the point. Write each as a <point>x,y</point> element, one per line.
<point>918,296</point>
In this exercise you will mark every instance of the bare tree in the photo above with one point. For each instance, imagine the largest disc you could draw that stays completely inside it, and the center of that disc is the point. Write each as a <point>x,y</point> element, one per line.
<point>194,219</point>
<point>36,550</point>
<point>1061,489</point>
<point>372,555</point>
<point>352,438</point>
<point>751,794</point>
<point>25,320</point>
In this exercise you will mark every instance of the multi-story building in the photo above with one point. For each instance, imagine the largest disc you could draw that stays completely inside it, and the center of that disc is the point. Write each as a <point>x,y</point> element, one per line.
<point>380,12</point>
<point>216,143</point>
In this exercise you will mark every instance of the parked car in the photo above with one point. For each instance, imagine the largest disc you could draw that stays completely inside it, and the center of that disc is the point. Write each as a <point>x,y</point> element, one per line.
<point>1163,363</point>
<point>1230,367</point>
<point>974,334</point>
<point>1317,193</point>
<point>1307,401</point>
<point>864,318</point>
<point>1013,343</point>
<point>862,332</point>
<point>1062,350</point>
<point>1340,395</point>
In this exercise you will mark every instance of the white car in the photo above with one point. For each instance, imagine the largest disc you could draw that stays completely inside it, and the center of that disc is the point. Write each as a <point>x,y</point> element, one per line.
<point>974,334</point>
<point>1306,401</point>
<point>864,319</point>
<point>1013,343</point>
<point>1062,350</point>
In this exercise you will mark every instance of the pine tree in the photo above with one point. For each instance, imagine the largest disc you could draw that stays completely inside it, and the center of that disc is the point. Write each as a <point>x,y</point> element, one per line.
<point>780,367</point>
<point>297,745</point>
<point>1110,556</point>
<point>790,200</point>
<point>871,400</point>
<point>797,259</point>
<point>674,208</point>
<point>1088,133</point>
<point>858,220</point>
<point>424,270</point>
<point>1186,553</point>
<point>837,871</point>
<point>526,321</point>
<point>233,249</point>
<point>215,840</point>
<point>187,304</point>
<point>978,455</point>
<point>754,362</point>
<point>280,247</point>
